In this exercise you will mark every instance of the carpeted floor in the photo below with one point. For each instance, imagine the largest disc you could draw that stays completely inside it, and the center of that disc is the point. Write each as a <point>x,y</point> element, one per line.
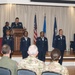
<point>71,70</point>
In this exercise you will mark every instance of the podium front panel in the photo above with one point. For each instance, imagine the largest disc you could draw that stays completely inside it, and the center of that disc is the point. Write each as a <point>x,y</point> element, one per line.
<point>17,34</point>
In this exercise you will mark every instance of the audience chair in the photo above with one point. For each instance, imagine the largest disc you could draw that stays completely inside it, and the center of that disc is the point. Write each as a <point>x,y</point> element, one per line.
<point>25,72</point>
<point>50,73</point>
<point>4,71</point>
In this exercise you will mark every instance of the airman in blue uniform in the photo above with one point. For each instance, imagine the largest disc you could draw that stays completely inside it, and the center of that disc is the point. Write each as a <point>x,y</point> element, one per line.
<point>60,43</point>
<point>42,44</point>
<point>5,28</point>
<point>8,40</point>
<point>24,44</point>
<point>16,24</point>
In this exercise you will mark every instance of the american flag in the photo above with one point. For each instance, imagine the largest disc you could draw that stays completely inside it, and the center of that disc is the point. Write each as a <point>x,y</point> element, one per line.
<point>35,30</point>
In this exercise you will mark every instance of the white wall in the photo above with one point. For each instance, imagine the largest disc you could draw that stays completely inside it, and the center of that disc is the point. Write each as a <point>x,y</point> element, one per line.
<point>14,1</point>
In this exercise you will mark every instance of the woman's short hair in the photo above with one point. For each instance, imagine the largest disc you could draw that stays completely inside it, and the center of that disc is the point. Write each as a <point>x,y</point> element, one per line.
<point>6,23</point>
<point>5,49</point>
<point>55,54</point>
<point>60,30</point>
<point>41,32</point>
<point>16,18</point>
<point>25,32</point>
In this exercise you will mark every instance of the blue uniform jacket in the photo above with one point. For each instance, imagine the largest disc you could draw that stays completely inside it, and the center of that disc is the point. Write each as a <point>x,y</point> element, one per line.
<point>24,45</point>
<point>60,43</point>
<point>42,45</point>
<point>9,42</point>
<point>5,28</point>
<point>19,25</point>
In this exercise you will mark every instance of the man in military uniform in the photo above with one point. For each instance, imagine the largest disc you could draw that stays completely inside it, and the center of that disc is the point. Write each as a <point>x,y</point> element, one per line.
<point>6,62</point>
<point>5,28</point>
<point>24,44</point>
<point>54,66</point>
<point>60,43</point>
<point>17,24</point>
<point>42,44</point>
<point>31,62</point>
<point>8,40</point>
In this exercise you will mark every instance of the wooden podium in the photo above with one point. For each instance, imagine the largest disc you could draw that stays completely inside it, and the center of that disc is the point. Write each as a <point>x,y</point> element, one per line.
<point>17,34</point>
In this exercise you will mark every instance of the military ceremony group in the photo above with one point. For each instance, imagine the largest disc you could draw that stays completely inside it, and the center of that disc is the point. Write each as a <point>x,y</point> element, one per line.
<point>33,56</point>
